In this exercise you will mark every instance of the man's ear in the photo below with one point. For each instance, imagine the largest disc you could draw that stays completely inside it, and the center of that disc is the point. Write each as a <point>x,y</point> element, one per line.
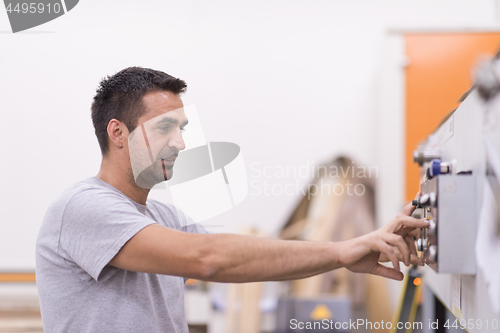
<point>116,133</point>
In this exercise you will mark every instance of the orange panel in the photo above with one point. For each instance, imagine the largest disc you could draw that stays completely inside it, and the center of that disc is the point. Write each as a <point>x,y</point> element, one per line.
<point>17,277</point>
<point>439,72</point>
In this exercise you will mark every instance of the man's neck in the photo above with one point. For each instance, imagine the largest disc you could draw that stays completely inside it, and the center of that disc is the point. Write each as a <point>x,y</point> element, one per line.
<point>120,180</point>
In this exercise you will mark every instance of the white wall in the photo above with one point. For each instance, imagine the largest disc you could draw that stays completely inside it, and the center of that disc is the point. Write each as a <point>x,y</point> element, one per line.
<point>292,82</point>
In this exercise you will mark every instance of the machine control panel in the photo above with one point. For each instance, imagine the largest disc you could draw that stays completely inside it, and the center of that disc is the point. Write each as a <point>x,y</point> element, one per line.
<point>448,202</point>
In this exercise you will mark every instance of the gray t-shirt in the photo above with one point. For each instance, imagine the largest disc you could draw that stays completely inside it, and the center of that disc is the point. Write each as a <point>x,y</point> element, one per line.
<point>83,229</point>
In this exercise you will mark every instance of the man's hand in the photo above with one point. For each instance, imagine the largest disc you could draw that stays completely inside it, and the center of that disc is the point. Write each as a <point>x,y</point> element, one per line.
<point>393,242</point>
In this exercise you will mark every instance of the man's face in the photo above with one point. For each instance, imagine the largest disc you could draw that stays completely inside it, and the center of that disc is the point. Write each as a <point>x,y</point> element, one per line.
<point>156,141</point>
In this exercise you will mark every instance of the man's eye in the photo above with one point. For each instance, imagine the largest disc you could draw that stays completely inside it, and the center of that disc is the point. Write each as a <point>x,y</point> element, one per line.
<point>163,129</point>
<point>183,129</point>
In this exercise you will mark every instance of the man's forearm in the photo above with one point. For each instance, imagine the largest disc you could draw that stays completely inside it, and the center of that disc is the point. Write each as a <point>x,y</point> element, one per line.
<point>235,258</point>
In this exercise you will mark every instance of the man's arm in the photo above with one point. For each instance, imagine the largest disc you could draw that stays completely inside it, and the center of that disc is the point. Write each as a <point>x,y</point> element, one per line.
<point>235,258</point>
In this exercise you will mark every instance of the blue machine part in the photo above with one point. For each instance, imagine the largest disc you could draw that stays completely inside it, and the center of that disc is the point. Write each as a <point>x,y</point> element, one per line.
<point>435,168</point>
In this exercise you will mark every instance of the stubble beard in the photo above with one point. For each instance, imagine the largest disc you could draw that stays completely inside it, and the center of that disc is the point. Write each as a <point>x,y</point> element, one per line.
<point>151,176</point>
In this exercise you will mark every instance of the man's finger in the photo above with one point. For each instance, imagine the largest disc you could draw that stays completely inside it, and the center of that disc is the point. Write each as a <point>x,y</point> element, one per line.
<point>411,245</point>
<point>390,253</point>
<point>405,231</point>
<point>408,209</point>
<point>408,221</point>
<point>388,272</point>
<point>416,260</point>
<point>398,254</point>
<point>401,245</point>
<point>414,233</point>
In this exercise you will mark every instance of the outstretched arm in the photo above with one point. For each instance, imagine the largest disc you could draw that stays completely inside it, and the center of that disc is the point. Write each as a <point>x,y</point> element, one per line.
<point>235,258</point>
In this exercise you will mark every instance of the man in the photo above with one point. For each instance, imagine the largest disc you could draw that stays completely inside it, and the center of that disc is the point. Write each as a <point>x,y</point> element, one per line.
<point>109,260</point>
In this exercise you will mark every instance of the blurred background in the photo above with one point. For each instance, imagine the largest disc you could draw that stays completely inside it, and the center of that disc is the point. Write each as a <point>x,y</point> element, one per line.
<point>296,84</point>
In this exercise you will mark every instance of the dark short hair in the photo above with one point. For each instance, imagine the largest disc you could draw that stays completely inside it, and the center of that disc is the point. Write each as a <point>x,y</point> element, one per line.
<point>119,97</point>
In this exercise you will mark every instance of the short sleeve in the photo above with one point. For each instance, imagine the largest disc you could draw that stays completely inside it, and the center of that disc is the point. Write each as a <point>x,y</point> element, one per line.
<point>95,225</point>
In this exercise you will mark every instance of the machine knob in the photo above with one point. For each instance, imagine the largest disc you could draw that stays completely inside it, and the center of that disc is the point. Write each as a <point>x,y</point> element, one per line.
<point>420,201</point>
<point>437,168</point>
<point>421,245</point>
<point>433,254</point>
<point>432,228</point>
<point>432,199</point>
<point>428,199</point>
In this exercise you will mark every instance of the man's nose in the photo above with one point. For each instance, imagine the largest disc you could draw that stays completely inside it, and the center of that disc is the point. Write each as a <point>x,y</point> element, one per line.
<point>177,141</point>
